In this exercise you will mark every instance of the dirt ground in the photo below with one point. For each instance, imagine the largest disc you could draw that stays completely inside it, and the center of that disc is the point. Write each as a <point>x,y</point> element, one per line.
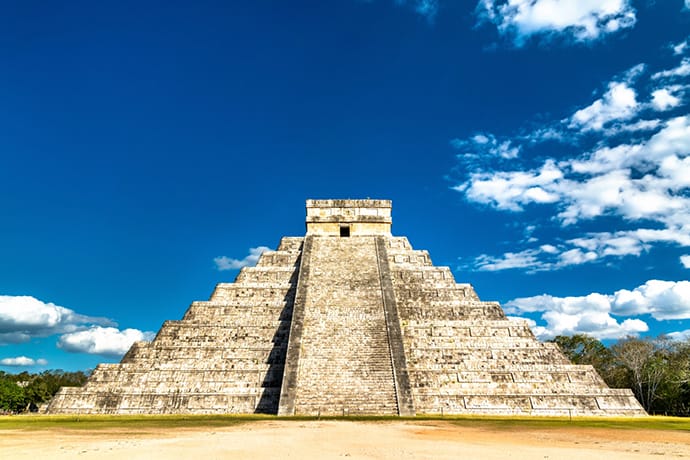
<point>346,440</point>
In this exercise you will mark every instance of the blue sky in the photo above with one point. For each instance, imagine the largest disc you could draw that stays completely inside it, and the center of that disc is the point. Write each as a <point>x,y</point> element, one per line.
<point>540,148</point>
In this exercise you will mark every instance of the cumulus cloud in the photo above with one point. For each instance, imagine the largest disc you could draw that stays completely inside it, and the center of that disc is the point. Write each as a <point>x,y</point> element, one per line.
<point>485,145</point>
<point>680,335</point>
<point>226,263</point>
<point>578,20</point>
<point>663,99</point>
<point>24,317</point>
<point>662,300</point>
<point>680,48</point>
<point>22,361</point>
<point>107,341</point>
<point>682,70</point>
<point>685,260</point>
<point>590,314</point>
<point>594,314</point>
<point>514,189</point>
<point>618,103</point>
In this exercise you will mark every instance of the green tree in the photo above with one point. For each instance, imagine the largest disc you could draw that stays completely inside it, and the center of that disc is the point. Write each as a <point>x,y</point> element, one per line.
<point>36,389</point>
<point>673,393</point>
<point>11,396</point>
<point>583,349</point>
<point>649,365</point>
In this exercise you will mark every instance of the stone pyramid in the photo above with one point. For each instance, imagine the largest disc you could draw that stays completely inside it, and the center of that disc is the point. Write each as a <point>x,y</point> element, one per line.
<point>345,320</point>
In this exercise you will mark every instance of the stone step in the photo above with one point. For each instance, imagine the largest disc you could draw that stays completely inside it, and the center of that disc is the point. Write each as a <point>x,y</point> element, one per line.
<point>424,294</point>
<point>279,259</point>
<point>261,275</point>
<point>429,312</point>
<point>291,244</point>
<point>257,291</point>
<point>506,357</point>
<point>209,354</point>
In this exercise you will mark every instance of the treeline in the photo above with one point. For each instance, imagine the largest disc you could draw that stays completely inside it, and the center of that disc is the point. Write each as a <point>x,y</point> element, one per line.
<point>656,369</point>
<point>25,392</point>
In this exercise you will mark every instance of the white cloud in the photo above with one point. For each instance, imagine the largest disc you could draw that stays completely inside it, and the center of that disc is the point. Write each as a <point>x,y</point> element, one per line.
<point>21,361</point>
<point>590,314</point>
<point>227,263</point>
<point>663,99</point>
<point>593,313</point>
<point>680,335</point>
<point>98,340</point>
<point>685,260</point>
<point>602,181</point>
<point>618,103</point>
<point>483,144</point>
<point>513,190</point>
<point>23,317</point>
<point>683,70</point>
<point>592,247</point>
<point>510,260</point>
<point>631,127</point>
<point>549,249</point>
<point>682,47</point>
<point>580,20</point>
<point>662,299</point>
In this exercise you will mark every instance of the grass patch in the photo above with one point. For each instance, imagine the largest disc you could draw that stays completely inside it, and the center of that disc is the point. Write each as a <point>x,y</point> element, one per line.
<point>145,422</point>
<point>623,423</point>
<point>127,422</point>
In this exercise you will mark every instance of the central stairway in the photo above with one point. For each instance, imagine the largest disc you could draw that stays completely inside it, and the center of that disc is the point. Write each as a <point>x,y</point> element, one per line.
<point>345,362</point>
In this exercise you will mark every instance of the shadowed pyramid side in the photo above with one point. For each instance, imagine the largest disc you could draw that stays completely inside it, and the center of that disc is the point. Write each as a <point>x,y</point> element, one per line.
<point>225,356</point>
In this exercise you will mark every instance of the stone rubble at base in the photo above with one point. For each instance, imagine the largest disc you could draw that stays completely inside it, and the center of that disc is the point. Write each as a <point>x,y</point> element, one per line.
<point>345,320</point>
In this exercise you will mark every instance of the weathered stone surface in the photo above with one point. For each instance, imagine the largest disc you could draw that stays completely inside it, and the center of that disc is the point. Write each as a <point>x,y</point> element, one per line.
<point>347,320</point>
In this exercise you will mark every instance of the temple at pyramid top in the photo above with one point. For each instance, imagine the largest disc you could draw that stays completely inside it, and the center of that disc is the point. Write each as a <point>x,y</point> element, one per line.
<point>346,319</point>
<point>348,217</point>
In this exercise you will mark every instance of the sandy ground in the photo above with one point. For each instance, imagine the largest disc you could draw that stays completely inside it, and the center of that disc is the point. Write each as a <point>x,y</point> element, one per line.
<point>346,440</point>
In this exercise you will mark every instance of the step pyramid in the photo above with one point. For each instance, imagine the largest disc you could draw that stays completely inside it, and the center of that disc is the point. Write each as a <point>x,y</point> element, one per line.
<point>345,320</point>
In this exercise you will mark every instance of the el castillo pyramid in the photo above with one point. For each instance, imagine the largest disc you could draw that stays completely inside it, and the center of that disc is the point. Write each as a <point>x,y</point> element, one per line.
<point>345,320</point>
